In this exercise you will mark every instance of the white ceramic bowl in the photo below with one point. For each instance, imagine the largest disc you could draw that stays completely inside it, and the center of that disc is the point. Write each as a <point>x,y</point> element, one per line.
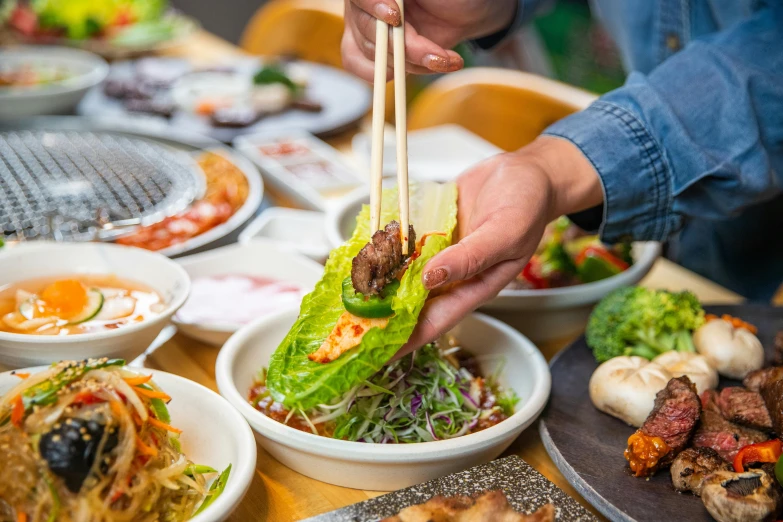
<point>542,315</point>
<point>87,70</point>
<point>213,433</point>
<point>386,467</point>
<point>294,230</point>
<point>61,259</point>
<point>258,258</point>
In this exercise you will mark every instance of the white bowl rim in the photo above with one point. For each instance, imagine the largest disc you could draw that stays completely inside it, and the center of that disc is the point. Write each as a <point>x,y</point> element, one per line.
<point>651,250</point>
<point>381,453</point>
<point>98,72</point>
<point>171,307</point>
<point>241,472</point>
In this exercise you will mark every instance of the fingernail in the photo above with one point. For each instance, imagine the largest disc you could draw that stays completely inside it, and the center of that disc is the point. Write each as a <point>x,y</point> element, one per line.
<point>387,14</point>
<point>433,62</point>
<point>436,277</point>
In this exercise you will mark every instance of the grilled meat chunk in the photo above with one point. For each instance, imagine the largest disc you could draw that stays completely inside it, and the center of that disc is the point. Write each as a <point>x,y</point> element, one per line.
<point>721,435</point>
<point>691,467</point>
<point>772,392</point>
<point>380,260</point>
<point>755,380</point>
<point>778,359</point>
<point>672,421</point>
<point>744,407</point>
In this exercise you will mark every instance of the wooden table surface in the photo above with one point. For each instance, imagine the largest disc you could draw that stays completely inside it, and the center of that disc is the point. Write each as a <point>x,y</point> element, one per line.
<point>279,494</point>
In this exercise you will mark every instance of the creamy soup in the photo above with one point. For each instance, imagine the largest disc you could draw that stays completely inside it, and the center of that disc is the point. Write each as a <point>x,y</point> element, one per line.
<point>75,304</point>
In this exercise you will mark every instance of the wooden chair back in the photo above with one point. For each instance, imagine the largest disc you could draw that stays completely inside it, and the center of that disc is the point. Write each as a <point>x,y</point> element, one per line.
<point>505,107</point>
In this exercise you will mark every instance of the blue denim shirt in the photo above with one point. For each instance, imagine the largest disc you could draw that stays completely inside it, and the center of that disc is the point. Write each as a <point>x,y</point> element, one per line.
<point>690,149</point>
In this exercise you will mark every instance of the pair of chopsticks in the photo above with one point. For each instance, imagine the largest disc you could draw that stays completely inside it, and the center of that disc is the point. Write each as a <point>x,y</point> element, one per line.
<point>378,124</point>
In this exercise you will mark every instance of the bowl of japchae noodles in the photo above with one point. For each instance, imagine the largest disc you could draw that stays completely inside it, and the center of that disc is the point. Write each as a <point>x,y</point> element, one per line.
<point>323,390</point>
<point>94,441</point>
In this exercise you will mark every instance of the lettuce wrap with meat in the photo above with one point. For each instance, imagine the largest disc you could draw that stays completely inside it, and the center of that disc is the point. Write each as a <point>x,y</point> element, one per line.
<point>299,382</point>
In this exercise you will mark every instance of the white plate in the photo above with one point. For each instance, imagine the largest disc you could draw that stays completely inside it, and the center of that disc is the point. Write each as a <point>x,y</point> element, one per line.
<point>87,70</point>
<point>48,259</point>
<point>213,434</point>
<point>294,230</point>
<point>386,467</point>
<point>258,258</point>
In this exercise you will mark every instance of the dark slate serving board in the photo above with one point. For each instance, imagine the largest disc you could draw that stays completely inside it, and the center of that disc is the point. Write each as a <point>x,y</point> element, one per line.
<point>587,445</point>
<point>525,488</point>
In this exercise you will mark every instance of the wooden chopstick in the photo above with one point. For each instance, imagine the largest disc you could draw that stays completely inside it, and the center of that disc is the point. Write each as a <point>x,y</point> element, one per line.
<point>378,126</point>
<point>378,123</point>
<point>401,124</point>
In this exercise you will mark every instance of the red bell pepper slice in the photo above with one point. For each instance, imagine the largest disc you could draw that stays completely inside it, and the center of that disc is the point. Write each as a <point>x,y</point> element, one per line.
<point>597,251</point>
<point>769,451</point>
<point>530,274</point>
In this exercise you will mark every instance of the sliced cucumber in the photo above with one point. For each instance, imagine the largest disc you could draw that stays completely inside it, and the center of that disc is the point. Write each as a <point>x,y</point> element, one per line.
<point>93,307</point>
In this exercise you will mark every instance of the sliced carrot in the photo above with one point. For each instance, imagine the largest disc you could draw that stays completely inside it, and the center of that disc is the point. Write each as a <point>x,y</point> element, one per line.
<point>23,376</point>
<point>21,516</point>
<point>162,425</point>
<point>144,449</point>
<point>116,408</point>
<point>17,414</point>
<point>135,381</point>
<point>152,394</point>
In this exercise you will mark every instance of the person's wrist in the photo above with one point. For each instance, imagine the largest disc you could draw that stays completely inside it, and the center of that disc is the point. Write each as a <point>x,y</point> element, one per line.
<point>574,181</point>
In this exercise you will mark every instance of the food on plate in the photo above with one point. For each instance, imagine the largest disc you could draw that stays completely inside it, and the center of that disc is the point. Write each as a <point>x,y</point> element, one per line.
<point>741,497</point>
<point>227,190</point>
<point>667,430</point>
<point>719,433</point>
<point>439,392</point>
<point>772,393</point>
<point>345,361</point>
<point>733,349</point>
<point>75,304</point>
<point>489,507</point>
<point>236,299</point>
<point>284,149</point>
<point>742,406</point>
<point>644,322</point>
<point>567,256</point>
<point>692,466</point>
<point>757,379</point>
<point>625,387</point>
<point>32,75</point>
<point>93,441</point>
<point>695,366</point>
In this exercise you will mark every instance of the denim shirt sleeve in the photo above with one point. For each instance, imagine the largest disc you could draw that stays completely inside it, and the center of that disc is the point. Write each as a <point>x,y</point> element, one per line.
<point>700,136</point>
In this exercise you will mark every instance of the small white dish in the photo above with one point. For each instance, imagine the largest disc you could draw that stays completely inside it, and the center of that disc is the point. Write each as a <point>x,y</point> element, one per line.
<point>49,259</point>
<point>259,258</point>
<point>213,434</point>
<point>59,97</point>
<point>386,467</point>
<point>542,315</point>
<point>434,154</point>
<point>300,231</point>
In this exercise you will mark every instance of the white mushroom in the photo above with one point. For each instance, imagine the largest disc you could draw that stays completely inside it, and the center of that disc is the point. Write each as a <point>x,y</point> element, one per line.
<point>625,387</point>
<point>734,352</point>
<point>695,366</point>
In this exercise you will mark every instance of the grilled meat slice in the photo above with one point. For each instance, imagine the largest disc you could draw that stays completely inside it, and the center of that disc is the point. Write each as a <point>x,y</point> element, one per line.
<point>721,435</point>
<point>772,392</point>
<point>755,380</point>
<point>672,420</point>
<point>744,407</point>
<point>778,359</point>
<point>691,467</point>
<point>380,260</point>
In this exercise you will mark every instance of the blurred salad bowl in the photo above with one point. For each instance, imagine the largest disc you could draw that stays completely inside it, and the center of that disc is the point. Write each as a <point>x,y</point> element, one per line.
<point>387,466</point>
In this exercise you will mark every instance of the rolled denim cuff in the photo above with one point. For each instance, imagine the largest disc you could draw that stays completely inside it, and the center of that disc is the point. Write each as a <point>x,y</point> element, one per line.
<point>634,173</point>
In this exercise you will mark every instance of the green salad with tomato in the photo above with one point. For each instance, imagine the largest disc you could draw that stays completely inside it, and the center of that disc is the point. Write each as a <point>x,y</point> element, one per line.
<point>567,256</point>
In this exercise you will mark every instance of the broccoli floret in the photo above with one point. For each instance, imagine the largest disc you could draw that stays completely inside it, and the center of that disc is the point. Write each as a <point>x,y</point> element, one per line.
<point>644,322</point>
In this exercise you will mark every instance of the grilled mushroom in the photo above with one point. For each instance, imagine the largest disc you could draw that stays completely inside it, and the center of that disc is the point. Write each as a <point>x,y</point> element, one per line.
<point>740,497</point>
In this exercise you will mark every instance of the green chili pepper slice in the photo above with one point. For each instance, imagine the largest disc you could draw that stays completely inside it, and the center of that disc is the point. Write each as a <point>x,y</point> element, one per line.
<point>369,306</point>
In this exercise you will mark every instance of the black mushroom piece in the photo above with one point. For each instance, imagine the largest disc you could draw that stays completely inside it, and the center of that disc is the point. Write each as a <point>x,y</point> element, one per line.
<point>71,447</point>
<point>741,497</point>
<point>381,259</point>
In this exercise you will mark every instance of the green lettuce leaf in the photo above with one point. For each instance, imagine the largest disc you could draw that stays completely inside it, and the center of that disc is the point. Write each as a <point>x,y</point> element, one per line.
<point>295,380</point>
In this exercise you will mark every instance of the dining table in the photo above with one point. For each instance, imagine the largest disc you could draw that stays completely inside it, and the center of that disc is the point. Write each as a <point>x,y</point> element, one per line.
<point>279,494</point>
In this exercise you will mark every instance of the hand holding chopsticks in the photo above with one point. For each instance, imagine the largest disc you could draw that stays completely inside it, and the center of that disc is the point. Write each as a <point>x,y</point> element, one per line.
<point>378,123</point>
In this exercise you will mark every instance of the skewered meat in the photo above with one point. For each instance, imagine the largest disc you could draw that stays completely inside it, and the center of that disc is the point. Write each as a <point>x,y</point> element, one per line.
<point>380,260</point>
<point>692,466</point>
<point>667,429</point>
<point>755,380</point>
<point>721,435</point>
<point>744,407</point>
